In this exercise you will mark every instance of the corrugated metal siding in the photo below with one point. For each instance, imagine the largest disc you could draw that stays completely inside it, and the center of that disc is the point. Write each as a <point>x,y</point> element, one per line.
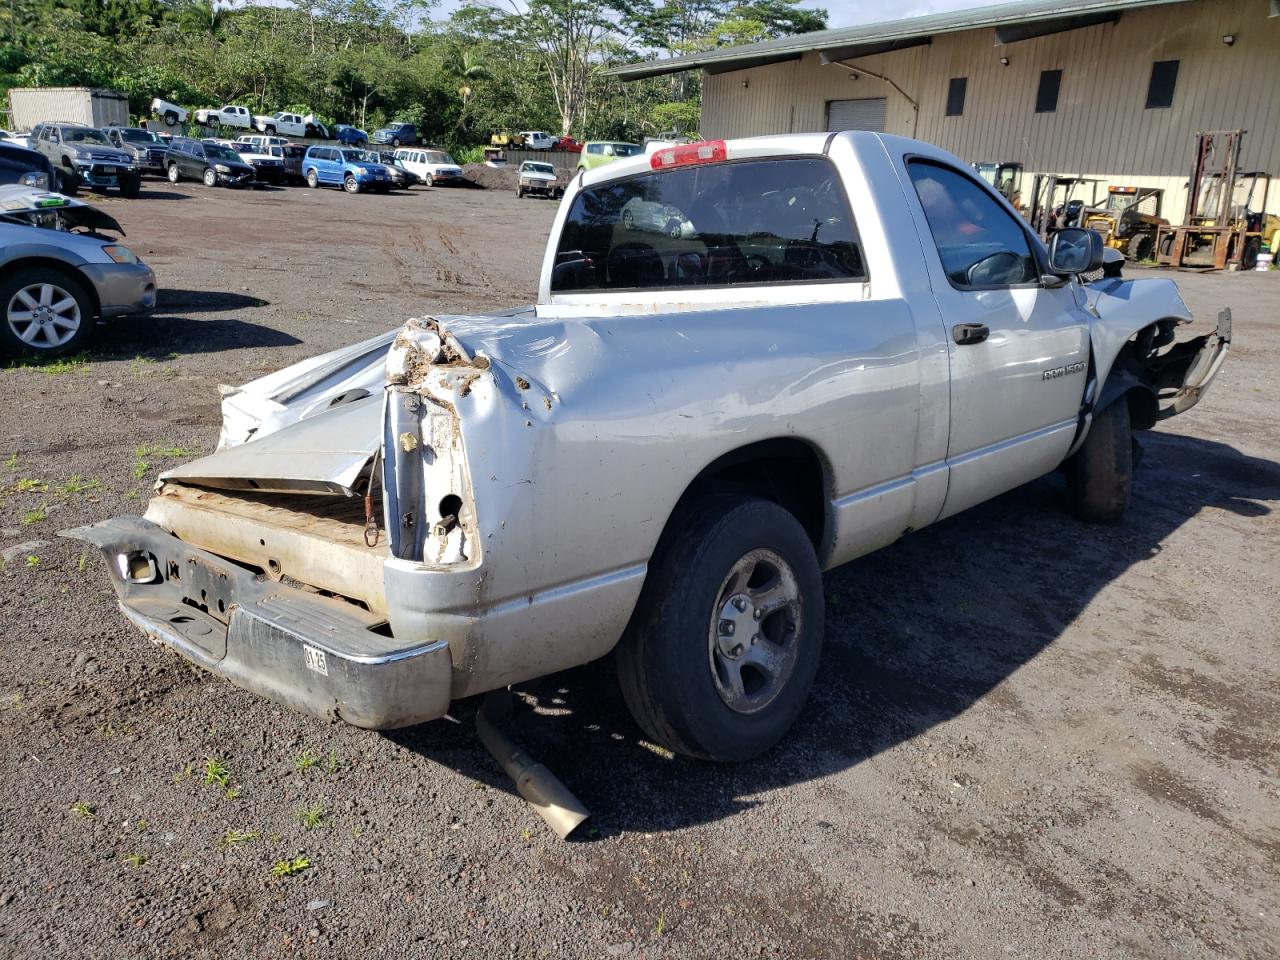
<point>91,106</point>
<point>1101,127</point>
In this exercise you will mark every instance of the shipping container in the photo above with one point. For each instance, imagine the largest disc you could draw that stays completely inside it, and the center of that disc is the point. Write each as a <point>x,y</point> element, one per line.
<point>92,106</point>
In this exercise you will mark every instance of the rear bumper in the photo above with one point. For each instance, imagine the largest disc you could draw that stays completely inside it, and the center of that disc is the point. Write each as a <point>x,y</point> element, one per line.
<point>309,652</point>
<point>122,288</point>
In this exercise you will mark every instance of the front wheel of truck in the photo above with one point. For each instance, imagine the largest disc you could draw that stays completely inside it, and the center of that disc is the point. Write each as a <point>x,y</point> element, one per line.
<point>1100,473</point>
<point>723,646</point>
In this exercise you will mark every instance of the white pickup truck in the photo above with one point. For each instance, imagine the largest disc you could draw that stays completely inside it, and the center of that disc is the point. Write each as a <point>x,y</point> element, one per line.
<point>854,337</point>
<point>228,116</point>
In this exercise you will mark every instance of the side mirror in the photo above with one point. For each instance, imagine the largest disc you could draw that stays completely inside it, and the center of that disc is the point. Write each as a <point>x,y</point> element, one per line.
<point>1074,250</point>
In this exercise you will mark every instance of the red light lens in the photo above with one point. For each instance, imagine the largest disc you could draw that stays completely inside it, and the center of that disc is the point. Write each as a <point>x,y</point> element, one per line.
<point>708,151</point>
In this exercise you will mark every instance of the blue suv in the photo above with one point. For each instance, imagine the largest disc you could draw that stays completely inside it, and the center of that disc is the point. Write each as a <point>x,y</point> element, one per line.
<point>345,133</point>
<point>396,134</point>
<point>353,170</point>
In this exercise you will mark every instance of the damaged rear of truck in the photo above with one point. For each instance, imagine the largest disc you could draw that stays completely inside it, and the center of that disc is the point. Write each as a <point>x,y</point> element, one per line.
<point>663,454</point>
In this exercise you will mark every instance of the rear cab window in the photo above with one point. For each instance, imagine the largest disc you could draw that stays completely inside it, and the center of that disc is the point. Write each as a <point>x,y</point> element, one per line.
<point>758,221</point>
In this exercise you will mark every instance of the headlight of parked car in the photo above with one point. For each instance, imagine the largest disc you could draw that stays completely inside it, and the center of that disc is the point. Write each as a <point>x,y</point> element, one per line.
<point>120,254</point>
<point>36,179</point>
<point>222,168</point>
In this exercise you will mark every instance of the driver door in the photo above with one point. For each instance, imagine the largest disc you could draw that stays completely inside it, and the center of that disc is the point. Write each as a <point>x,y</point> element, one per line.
<point>1019,349</point>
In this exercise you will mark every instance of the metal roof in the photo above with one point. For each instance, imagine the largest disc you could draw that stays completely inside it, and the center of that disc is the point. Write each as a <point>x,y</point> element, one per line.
<point>1012,22</point>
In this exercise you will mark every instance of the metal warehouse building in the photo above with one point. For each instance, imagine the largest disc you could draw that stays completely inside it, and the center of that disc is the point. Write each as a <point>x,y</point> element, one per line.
<point>1112,89</point>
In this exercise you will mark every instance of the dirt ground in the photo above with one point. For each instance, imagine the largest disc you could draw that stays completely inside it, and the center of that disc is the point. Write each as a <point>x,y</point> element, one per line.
<point>1030,738</point>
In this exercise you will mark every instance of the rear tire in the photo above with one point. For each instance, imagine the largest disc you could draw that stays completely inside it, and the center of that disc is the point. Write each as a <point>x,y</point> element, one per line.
<point>1140,247</point>
<point>702,674</point>
<point>1100,473</point>
<point>313,181</point>
<point>170,118</point>
<point>174,175</point>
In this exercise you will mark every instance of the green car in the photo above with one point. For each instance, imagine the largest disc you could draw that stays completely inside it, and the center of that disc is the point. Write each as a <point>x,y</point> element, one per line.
<point>596,153</point>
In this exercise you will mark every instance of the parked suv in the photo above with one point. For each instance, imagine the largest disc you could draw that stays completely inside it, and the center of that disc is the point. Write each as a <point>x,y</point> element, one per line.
<point>87,155</point>
<point>215,164</point>
<point>433,166</point>
<point>353,170</point>
<point>396,134</point>
<point>345,133</point>
<point>148,150</point>
<point>537,140</point>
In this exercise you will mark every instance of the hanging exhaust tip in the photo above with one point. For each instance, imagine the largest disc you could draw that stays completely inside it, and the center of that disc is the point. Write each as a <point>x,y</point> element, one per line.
<point>550,798</point>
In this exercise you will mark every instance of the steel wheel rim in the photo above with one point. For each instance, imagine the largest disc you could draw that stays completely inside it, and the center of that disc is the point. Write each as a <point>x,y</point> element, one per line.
<point>755,631</point>
<point>43,315</point>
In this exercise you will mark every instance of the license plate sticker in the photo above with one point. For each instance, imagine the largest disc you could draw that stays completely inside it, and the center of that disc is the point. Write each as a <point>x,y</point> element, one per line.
<point>315,660</point>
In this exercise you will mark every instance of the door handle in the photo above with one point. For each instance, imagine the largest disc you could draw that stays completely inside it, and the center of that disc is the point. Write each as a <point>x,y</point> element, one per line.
<point>966,333</point>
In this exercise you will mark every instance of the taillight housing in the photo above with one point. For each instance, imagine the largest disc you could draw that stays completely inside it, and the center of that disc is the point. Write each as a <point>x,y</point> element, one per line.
<point>686,154</point>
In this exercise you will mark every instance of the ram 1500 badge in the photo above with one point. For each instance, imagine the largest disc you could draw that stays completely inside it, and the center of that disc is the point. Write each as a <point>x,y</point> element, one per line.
<point>850,337</point>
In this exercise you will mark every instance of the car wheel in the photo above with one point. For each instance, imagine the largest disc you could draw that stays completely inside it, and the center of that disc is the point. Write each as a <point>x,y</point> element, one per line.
<point>673,229</point>
<point>313,181</point>
<point>174,175</point>
<point>210,177</point>
<point>170,118</point>
<point>395,141</point>
<point>131,186</point>
<point>1249,256</point>
<point>520,192</point>
<point>724,643</point>
<point>428,180</point>
<point>271,129</point>
<point>1100,473</point>
<point>628,220</point>
<point>47,313</point>
<point>351,184</point>
<point>67,182</point>
<point>1140,247</point>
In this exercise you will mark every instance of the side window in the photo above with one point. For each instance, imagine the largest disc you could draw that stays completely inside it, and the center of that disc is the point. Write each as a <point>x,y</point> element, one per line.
<point>979,242</point>
<point>768,222</point>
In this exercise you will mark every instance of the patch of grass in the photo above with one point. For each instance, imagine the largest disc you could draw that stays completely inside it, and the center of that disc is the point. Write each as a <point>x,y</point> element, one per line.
<point>77,484</point>
<point>305,761</point>
<point>231,793</point>
<point>235,837</point>
<point>52,368</point>
<point>33,561</point>
<point>29,485</point>
<point>334,764</point>
<point>38,515</point>
<point>216,771</point>
<point>141,826</point>
<point>661,928</point>
<point>82,809</point>
<point>12,462</point>
<point>80,565</point>
<point>184,773</point>
<point>288,868</point>
<point>145,454</point>
<point>311,817</point>
<point>136,860</point>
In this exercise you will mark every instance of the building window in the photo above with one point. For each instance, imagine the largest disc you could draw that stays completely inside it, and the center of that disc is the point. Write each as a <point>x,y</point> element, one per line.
<point>955,96</point>
<point>1164,77</point>
<point>1047,95</point>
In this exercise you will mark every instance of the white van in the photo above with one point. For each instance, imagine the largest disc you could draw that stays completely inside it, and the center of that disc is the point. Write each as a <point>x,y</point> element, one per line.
<point>435,167</point>
<point>538,140</point>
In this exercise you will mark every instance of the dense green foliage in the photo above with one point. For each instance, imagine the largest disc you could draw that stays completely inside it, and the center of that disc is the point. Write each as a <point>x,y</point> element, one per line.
<point>527,65</point>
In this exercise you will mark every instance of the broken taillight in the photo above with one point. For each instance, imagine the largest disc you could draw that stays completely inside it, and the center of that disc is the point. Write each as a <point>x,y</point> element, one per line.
<point>707,151</point>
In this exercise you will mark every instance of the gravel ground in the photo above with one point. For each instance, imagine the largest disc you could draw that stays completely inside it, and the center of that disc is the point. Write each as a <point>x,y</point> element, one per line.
<point>1030,738</point>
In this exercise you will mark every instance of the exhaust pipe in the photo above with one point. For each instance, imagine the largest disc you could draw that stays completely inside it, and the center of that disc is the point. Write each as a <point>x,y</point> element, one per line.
<point>550,798</point>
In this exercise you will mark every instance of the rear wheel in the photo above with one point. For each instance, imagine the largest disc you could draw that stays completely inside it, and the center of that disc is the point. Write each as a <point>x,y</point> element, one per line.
<point>1100,473</point>
<point>313,181</point>
<point>724,643</point>
<point>47,313</point>
<point>174,176</point>
<point>210,177</point>
<point>170,118</point>
<point>1140,247</point>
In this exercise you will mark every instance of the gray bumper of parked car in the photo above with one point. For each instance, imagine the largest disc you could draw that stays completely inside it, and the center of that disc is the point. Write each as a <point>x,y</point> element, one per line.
<point>122,288</point>
<point>313,653</point>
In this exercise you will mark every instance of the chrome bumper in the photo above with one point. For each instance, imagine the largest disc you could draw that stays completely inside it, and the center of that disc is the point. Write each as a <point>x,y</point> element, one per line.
<point>1182,384</point>
<point>319,655</point>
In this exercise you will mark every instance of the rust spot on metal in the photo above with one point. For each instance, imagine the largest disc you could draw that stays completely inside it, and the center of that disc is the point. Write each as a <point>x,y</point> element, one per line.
<point>522,383</point>
<point>408,442</point>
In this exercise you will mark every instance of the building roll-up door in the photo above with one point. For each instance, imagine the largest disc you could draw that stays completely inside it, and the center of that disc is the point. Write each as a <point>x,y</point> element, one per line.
<point>857,114</point>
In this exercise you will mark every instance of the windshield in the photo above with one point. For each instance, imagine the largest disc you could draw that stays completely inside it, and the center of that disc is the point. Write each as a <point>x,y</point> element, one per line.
<point>539,168</point>
<point>751,222</point>
<point>134,135</point>
<point>84,135</point>
<point>220,151</point>
<point>360,156</point>
<point>437,156</point>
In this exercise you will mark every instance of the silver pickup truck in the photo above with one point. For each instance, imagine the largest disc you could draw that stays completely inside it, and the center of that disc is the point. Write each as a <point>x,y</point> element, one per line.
<point>845,338</point>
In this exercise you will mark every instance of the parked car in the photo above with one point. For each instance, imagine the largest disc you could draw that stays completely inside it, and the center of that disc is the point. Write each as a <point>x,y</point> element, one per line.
<point>537,179</point>
<point>290,124</point>
<point>260,141</point>
<point>651,216</point>
<point>569,145</point>
<point>537,140</point>
<point>268,168</point>
<point>170,113</point>
<point>228,116</point>
<point>396,134</point>
<point>435,167</point>
<point>148,150</point>
<point>345,133</point>
<point>214,164</point>
<point>31,168</point>
<point>345,167</point>
<point>34,207</point>
<point>292,154</point>
<point>17,139</point>
<point>85,154</point>
<point>596,153</point>
<point>402,178</point>
<point>55,284</point>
